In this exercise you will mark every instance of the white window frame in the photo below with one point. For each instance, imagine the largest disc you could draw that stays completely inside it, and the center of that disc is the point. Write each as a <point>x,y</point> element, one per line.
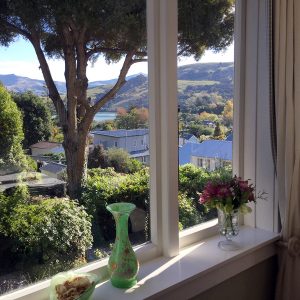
<point>250,130</point>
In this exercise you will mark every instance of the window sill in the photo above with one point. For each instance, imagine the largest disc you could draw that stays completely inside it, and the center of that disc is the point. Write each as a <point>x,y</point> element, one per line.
<point>194,270</point>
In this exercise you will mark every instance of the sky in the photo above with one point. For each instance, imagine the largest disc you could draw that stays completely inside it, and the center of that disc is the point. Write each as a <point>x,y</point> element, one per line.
<point>20,59</point>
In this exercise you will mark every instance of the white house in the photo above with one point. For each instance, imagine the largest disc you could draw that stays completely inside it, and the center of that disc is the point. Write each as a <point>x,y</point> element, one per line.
<point>42,148</point>
<point>134,141</point>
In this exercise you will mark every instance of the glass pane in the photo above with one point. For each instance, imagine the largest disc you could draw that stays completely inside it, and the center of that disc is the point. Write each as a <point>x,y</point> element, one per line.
<point>205,101</point>
<point>71,146</point>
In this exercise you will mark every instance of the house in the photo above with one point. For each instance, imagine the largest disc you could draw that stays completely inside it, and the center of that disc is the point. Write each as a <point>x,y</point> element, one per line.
<point>54,170</point>
<point>42,148</point>
<point>210,154</point>
<point>187,138</point>
<point>134,141</point>
<point>208,123</point>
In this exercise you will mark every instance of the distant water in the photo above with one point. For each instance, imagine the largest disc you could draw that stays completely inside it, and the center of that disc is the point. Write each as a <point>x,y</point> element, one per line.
<point>104,116</point>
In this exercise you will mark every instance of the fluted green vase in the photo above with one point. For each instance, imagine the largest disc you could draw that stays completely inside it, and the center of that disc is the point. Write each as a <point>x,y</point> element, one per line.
<point>122,265</point>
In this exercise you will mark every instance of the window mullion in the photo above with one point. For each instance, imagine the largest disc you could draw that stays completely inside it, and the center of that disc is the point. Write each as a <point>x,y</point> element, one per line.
<point>162,64</point>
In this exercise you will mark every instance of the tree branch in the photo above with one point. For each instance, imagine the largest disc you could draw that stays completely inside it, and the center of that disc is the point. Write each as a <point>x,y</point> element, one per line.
<point>110,94</point>
<point>53,92</point>
<point>137,60</point>
<point>115,50</point>
<point>18,30</point>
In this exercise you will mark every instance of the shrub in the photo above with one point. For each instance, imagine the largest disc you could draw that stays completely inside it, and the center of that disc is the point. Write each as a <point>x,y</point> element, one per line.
<point>12,158</point>
<point>105,186</point>
<point>192,180</point>
<point>188,214</point>
<point>44,230</point>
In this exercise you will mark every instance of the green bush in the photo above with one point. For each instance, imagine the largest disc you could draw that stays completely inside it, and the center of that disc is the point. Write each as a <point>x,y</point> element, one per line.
<point>105,186</point>
<point>12,157</point>
<point>44,230</point>
<point>192,181</point>
<point>188,213</point>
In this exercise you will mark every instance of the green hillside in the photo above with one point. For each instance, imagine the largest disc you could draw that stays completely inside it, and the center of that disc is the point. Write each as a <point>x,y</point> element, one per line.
<point>213,81</point>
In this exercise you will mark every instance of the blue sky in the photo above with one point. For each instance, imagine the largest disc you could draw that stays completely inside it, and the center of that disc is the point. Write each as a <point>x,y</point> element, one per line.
<point>19,58</point>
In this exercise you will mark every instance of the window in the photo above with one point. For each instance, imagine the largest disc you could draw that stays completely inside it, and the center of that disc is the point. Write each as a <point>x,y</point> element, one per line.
<point>208,164</point>
<point>83,232</point>
<point>163,131</point>
<point>205,99</point>
<point>200,162</point>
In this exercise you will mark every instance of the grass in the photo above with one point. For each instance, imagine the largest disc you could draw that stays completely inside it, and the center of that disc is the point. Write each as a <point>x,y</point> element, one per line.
<point>183,84</point>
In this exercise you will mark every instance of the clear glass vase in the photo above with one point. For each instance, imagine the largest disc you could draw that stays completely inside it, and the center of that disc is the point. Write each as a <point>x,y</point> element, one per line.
<point>122,264</point>
<point>229,227</point>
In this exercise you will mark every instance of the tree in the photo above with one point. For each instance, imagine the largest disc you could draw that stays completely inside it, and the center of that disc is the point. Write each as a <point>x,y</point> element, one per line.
<point>12,157</point>
<point>205,116</point>
<point>98,158</point>
<point>80,31</point>
<point>228,113</point>
<point>36,118</point>
<point>218,132</point>
<point>135,118</point>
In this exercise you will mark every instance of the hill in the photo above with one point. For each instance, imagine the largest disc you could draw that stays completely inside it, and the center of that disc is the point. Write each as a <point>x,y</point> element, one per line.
<point>194,81</point>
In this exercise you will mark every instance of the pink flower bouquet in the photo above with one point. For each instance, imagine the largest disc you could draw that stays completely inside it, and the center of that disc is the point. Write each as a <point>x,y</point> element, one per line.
<point>228,196</point>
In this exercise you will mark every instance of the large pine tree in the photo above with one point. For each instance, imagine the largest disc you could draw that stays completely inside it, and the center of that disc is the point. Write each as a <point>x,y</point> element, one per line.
<point>80,31</point>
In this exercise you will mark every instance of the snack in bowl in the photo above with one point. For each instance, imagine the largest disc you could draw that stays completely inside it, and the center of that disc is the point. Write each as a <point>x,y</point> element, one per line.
<point>72,289</point>
<point>72,286</point>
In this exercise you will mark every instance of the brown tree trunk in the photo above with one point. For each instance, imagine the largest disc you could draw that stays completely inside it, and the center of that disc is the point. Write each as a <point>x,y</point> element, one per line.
<point>76,156</point>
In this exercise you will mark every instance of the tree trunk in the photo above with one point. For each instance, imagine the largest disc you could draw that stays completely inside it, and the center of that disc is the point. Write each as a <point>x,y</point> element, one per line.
<point>76,156</point>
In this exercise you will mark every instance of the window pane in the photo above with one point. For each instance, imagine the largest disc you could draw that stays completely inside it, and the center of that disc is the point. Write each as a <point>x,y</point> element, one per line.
<point>69,148</point>
<point>205,100</point>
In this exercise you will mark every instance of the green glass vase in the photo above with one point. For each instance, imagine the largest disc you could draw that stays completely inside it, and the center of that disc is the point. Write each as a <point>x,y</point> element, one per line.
<point>122,264</point>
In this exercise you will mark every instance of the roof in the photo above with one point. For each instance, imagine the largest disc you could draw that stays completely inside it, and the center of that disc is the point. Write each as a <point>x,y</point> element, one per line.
<point>42,181</point>
<point>121,132</point>
<point>188,136</point>
<point>54,168</point>
<point>229,137</point>
<point>46,145</point>
<point>207,149</point>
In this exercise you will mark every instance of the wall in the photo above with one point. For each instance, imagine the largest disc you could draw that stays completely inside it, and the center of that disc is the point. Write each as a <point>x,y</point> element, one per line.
<point>256,283</point>
<point>127,143</point>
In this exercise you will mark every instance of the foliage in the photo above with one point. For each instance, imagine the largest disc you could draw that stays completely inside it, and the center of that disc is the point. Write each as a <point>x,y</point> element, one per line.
<point>133,119</point>
<point>81,31</point>
<point>97,158</point>
<point>228,113</point>
<point>218,132</point>
<point>56,135</point>
<point>105,125</point>
<point>188,214</point>
<point>208,116</point>
<point>12,157</point>
<point>44,230</point>
<point>199,130</point>
<point>228,195</point>
<point>120,160</point>
<point>192,180</point>
<point>36,118</point>
<point>105,186</point>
